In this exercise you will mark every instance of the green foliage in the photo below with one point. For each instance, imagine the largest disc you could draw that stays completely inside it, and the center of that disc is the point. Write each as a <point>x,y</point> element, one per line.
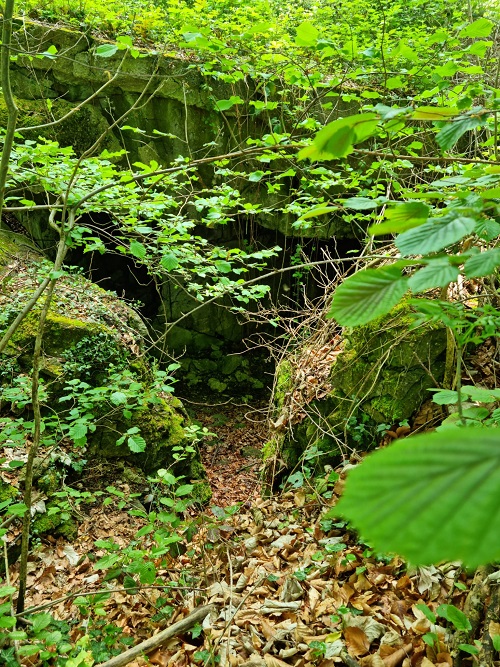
<point>430,497</point>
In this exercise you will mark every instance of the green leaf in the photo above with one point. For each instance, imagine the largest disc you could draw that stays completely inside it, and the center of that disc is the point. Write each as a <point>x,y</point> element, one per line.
<point>480,395</point>
<point>468,648</point>
<point>487,229</point>
<point>434,235</point>
<point>429,614</point>
<point>493,193</point>
<point>223,266</point>
<point>224,105</point>
<point>337,139</point>
<point>317,211</point>
<point>480,28</point>
<point>496,642</point>
<point>482,264</point>
<point>367,295</point>
<point>41,621</point>
<point>169,261</point>
<point>256,176</point>
<point>436,274</point>
<point>431,497</point>
<point>145,570</point>
<point>136,444</point>
<point>106,50</point>
<point>184,490</point>
<point>361,203</point>
<point>434,113</point>
<point>446,397</point>
<point>402,217</point>
<point>7,590</point>
<point>455,616</point>
<point>7,621</point>
<point>118,398</point>
<point>307,34</point>
<point>451,132</point>
<point>137,249</point>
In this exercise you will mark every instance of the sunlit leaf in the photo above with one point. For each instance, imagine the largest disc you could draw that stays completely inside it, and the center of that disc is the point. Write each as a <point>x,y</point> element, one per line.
<point>480,28</point>
<point>106,50</point>
<point>367,295</point>
<point>434,235</point>
<point>401,217</point>
<point>307,34</point>
<point>434,113</point>
<point>435,274</point>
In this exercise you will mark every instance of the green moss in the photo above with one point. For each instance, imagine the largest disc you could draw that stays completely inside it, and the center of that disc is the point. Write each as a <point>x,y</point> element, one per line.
<point>80,130</point>
<point>7,491</point>
<point>49,482</point>
<point>202,493</point>
<point>54,524</point>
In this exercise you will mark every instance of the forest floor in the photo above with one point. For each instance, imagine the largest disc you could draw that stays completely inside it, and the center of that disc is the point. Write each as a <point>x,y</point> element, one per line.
<point>291,586</point>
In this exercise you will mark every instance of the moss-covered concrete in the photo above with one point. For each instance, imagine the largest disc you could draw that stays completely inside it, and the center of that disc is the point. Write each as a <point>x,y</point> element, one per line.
<point>95,337</point>
<point>380,377</point>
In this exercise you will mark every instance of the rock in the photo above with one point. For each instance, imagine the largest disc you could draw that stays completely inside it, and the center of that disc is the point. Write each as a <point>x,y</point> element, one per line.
<point>95,374</point>
<point>377,375</point>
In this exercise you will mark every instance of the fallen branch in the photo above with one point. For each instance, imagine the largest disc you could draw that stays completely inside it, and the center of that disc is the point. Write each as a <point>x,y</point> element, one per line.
<point>149,644</point>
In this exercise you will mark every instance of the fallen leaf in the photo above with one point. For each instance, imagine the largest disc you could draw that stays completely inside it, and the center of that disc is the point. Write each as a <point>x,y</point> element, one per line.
<point>356,640</point>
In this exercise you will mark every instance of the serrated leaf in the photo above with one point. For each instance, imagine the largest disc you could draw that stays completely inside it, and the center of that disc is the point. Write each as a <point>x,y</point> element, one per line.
<point>480,395</point>
<point>169,261</point>
<point>482,264</point>
<point>41,621</point>
<point>118,398</point>
<point>137,249</point>
<point>487,229</point>
<point>455,616</point>
<point>434,113</point>
<point>430,498</point>
<point>446,397</point>
<point>78,431</point>
<point>433,236</point>
<point>435,274</point>
<point>480,28</point>
<point>451,132</point>
<point>223,266</point>
<point>367,295</point>
<point>337,139</point>
<point>106,50</point>
<point>361,203</point>
<point>136,444</point>
<point>402,217</point>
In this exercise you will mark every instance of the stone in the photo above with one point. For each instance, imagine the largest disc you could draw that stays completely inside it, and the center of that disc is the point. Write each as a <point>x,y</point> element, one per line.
<point>379,377</point>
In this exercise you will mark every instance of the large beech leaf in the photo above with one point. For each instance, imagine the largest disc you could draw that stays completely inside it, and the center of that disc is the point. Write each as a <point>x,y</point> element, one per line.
<point>402,217</point>
<point>430,498</point>
<point>482,264</point>
<point>436,274</point>
<point>434,236</point>
<point>368,294</point>
<point>452,131</point>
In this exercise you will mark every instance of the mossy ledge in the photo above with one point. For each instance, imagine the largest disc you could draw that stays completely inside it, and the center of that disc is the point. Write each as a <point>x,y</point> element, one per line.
<point>93,337</point>
<point>379,377</point>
